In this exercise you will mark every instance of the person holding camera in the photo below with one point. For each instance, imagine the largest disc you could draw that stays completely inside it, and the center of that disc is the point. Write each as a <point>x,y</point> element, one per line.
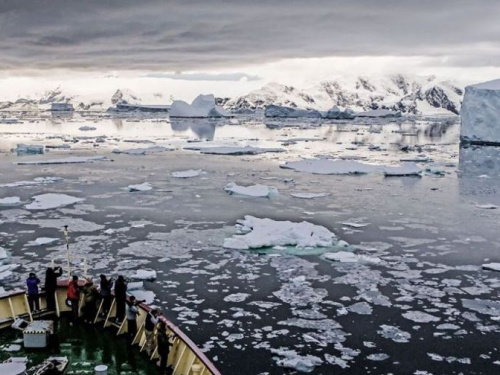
<point>149,329</point>
<point>120,298</point>
<point>132,311</point>
<point>33,299</point>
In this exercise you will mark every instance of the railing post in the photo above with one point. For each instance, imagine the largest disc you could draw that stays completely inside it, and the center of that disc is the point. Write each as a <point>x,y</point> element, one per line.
<point>196,369</point>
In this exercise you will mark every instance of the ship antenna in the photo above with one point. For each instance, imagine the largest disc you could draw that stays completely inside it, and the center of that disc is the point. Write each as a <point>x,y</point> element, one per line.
<point>66,237</point>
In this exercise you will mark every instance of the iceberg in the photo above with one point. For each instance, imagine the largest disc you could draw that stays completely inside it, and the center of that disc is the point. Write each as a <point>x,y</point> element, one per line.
<point>143,151</point>
<point>202,106</point>
<point>491,266</point>
<point>70,160</point>
<point>480,114</point>
<point>268,233</point>
<point>336,113</point>
<point>23,149</point>
<point>3,253</point>
<point>282,112</point>
<point>10,201</point>
<point>144,275</point>
<point>256,191</point>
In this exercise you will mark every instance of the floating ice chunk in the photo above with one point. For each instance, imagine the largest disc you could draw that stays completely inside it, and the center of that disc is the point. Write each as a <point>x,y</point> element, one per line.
<point>394,333</point>
<point>361,308</point>
<point>450,326</point>
<point>256,191</point>
<point>336,361</point>
<point>144,275</point>
<point>22,149</point>
<point>87,128</point>
<point>355,225</point>
<point>491,266</point>
<point>236,297</point>
<point>188,173</point>
<point>41,241</point>
<point>202,106</point>
<point>49,201</point>
<point>420,317</point>
<point>479,113</point>
<point>340,167</point>
<point>143,151</point>
<point>234,150</point>
<point>298,293</point>
<point>3,253</point>
<point>269,233</point>
<point>36,181</point>
<point>10,201</point>
<point>378,357</point>
<point>487,206</point>
<point>486,307</point>
<point>309,195</point>
<point>134,285</point>
<point>342,256</point>
<point>12,348</point>
<point>70,160</point>
<point>295,361</point>
<point>146,186</point>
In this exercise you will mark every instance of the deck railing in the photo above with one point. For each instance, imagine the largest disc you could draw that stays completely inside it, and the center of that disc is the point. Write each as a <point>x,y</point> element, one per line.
<point>184,357</point>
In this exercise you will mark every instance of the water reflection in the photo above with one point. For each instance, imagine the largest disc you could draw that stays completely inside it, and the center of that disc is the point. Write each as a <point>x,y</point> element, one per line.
<point>479,173</point>
<point>202,128</point>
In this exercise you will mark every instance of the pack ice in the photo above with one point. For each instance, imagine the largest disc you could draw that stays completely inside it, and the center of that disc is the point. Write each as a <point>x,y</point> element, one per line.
<point>480,113</point>
<point>256,191</point>
<point>268,233</point>
<point>202,106</point>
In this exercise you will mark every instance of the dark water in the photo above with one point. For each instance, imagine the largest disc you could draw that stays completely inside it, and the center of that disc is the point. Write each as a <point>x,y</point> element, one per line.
<point>429,234</point>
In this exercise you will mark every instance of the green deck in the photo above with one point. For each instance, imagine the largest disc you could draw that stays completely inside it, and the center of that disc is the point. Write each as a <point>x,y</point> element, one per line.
<point>85,346</point>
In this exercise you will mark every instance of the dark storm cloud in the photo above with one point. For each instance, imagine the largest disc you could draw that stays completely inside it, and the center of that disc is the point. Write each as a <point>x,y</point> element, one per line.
<point>203,34</point>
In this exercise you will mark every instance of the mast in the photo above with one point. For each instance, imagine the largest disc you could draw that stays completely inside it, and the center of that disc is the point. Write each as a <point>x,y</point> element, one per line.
<point>66,237</point>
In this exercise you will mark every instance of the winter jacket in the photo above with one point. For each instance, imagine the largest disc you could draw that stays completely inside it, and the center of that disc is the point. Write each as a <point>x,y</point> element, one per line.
<point>73,290</point>
<point>51,279</point>
<point>32,283</point>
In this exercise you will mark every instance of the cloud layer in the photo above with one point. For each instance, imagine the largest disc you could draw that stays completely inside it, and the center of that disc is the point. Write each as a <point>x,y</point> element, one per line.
<point>209,34</point>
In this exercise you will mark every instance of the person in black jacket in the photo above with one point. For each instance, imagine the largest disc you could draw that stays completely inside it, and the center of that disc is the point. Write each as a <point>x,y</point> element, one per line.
<point>163,342</point>
<point>51,276</point>
<point>105,291</point>
<point>120,298</point>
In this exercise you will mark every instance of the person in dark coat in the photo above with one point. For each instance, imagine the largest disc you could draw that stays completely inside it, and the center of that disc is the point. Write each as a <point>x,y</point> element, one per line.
<point>33,299</point>
<point>120,298</point>
<point>105,290</point>
<point>163,343</point>
<point>51,276</point>
<point>132,312</point>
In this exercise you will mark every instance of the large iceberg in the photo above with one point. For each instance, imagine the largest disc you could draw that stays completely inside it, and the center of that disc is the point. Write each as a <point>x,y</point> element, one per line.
<point>202,106</point>
<point>281,111</point>
<point>481,113</point>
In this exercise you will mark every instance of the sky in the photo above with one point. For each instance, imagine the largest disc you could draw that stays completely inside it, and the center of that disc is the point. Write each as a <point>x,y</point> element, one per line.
<point>233,46</point>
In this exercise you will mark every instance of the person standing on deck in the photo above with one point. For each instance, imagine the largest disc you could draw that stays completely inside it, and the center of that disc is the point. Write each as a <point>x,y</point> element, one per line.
<point>120,298</point>
<point>33,299</point>
<point>163,343</point>
<point>105,290</point>
<point>74,297</point>
<point>132,312</point>
<point>90,295</point>
<point>51,276</point>
<point>149,330</point>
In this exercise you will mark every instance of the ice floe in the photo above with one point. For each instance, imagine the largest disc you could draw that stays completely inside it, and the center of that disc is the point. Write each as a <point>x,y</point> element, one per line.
<point>70,160</point>
<point>491,266</point>
<point>486,307</point>
<point>309,195</point>
<point>3,253</point>
<point>10,201</point>
<point>348,257</point>
<point>487,206</point>
<point>189,173</point>
<point>144,275</point>
<point>340,167</point>
<point>50,200</point>
<point>233,150</point>
<point>291,359</point>
<point>420,317</point>
<point>143,151</point>
<point>36,181</point>
<point>256,191</point>
<point>268,233</point>
<point>23,149</point>
<point>41,241</point>
<point>146,186</point>
<point>394,333</point>
<point>237,297</point>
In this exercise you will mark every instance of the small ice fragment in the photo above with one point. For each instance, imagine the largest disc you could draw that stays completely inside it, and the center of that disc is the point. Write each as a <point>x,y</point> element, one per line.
<point>146,186</point>
<point>188,173</point>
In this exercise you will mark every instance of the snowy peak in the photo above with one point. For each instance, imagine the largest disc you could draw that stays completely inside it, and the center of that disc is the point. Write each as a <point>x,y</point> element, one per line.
<point>124,97</point>
<point>410,95</point>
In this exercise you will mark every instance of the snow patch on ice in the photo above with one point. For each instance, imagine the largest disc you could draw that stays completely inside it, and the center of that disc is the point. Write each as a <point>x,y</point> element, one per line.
<point>256,191</point>
<point>49,201</point>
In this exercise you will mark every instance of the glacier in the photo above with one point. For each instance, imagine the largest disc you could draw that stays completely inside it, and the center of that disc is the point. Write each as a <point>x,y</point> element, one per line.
<point>481,113</point>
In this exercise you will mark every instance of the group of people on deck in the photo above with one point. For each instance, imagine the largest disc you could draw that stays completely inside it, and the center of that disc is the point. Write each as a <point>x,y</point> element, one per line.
<point>92,296</point>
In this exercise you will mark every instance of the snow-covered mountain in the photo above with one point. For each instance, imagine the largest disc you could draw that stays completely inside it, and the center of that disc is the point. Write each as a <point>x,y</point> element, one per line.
<point>410,95</point>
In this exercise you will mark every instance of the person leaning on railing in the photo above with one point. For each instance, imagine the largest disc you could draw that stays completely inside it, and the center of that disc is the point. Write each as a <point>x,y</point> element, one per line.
<point>163,343</point>
<point>149,329</point>
<point>51,276</point>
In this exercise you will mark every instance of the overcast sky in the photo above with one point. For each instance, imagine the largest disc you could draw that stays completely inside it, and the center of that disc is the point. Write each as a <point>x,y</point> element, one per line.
<point>245,40</point>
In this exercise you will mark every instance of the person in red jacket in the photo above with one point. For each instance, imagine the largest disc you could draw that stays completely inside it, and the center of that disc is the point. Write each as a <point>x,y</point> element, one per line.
<point>74,297</point>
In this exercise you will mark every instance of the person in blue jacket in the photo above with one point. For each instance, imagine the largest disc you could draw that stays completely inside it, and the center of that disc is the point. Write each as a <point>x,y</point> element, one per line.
<point>33,300</point>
